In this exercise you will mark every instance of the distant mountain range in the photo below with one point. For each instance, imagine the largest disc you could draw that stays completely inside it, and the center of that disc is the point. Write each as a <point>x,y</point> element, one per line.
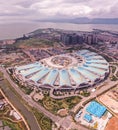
<point>83,20</point>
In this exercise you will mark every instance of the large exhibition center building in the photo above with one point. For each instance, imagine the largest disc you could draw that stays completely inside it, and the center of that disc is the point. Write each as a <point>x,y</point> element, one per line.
<point>70,71</point>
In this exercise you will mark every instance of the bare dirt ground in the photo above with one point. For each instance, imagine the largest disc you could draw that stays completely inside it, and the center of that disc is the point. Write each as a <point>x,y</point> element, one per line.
<point>112,124</point>
<point>110,99</point>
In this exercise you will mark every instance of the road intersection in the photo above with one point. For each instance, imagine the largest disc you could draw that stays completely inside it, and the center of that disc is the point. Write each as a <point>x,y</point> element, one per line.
<point>56,119</point>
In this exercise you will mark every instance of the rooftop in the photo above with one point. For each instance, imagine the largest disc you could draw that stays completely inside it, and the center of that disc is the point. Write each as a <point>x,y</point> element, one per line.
<point>70,70</point>
<point>96,109</point>
<point>88,117</point>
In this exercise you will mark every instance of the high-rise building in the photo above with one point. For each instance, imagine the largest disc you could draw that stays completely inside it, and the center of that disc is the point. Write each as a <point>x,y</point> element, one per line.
<point>91,39</point>
<point>71,39</point>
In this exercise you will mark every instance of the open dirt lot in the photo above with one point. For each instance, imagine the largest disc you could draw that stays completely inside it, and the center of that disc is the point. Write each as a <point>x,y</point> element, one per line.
<point>112,124</point>
<point>110,99</point>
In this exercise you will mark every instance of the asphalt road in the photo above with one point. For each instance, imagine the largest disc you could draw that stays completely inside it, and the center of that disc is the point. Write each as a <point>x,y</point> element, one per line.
<point>17,103</point>
<point>54,118</point>
<point>29,100</point>
<point>109,85</point>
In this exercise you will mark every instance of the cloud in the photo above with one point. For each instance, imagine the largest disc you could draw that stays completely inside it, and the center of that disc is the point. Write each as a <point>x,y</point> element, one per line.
<point>26,10</point>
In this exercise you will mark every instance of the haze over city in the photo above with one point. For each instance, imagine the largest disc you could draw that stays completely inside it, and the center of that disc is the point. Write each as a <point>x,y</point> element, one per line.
<point>28,10</point>
<point>58,65</point>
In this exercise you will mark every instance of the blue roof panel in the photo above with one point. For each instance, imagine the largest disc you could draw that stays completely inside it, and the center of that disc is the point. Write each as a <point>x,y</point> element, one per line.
<point>88,117</point>
<point>96,109</point>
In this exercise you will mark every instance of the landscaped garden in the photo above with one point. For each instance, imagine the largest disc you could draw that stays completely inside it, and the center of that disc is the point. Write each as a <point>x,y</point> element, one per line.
<point>53,105</point>
<point>9,121</point>
<point>13,125</point>
<point>44,122</point>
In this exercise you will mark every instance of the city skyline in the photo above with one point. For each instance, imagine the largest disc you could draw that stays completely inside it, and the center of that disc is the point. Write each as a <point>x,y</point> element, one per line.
<point>24,11</point>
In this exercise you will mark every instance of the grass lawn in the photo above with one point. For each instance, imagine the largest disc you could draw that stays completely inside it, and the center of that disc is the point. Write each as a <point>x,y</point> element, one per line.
<point>113,69</point>
<point>1,74</point>
<point>44,122</point>
<point>113,78</point>
<point>35,42</point>
<point>26,90</point>
<point>117,74</point>
<point>54,105</point>
<point>12,125</point>
<point>85,93</point>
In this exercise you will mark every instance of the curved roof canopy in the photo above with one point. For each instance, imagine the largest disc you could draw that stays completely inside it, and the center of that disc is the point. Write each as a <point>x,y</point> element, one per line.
<point>71,70</point>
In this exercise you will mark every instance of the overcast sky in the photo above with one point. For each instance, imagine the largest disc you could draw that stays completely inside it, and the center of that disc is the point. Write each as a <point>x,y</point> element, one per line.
<point>27,10</point>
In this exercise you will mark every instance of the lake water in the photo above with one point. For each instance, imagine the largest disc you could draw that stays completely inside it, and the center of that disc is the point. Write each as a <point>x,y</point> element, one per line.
<point>14,30</point>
